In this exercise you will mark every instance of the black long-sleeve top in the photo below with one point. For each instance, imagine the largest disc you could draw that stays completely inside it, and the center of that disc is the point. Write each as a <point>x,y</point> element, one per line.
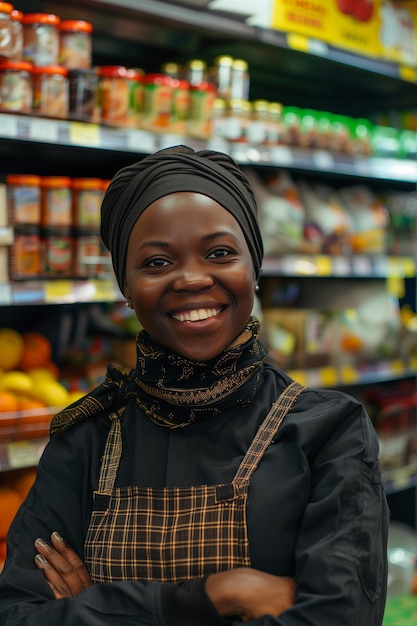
<point>316,512</point>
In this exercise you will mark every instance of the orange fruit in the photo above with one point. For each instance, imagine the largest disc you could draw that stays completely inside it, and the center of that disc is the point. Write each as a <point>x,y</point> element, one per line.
<point>10,501</point>
<point>33,419</point>
<point>37,350</point>
<point>11,348</point>
<point>9,405</point>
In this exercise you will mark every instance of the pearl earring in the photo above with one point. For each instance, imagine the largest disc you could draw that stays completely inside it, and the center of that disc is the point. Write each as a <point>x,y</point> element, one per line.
<point>256,288</point>
<point>128,305</point>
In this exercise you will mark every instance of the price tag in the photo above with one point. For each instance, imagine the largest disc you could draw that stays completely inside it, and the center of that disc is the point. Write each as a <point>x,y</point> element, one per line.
<point>341,266</point>
<point>328,376</point>
<point>361,266</point>
<point>320,48</point>
<point>23,454</point>
<point>84,134</point>
<point>299,376</point>
<point>141,141</point>
<point>348,375</point>
<point>58,291</point>
<point>43,130</point>
<point>282,155</point>
<point>106,291</point>
<point>323,160</point>
<point>298,42</point>
<point>8,126</point>
<point>324,265</point>
<point>6,294</point>
<point>408,73</point>
<point>398,366</point>
<point>396,286</point>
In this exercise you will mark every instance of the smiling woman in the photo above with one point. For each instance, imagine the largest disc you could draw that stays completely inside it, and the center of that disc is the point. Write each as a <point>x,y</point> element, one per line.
<point>205,485</point>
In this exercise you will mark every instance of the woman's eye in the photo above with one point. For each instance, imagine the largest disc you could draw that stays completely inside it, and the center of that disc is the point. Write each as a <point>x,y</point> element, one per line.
<point>157,263</point>
<point>219,254</point>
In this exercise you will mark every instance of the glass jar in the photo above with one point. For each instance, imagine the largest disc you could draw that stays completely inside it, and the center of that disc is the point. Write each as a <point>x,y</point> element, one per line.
<point>180,105</point>
<point>6,30</point>
<point>275,133</point>
<point>57,252</point>
<point>51,91</point>
<point>41,38</point>
<point>16,92</point>
<point>87,254</point>
<point>257,128</point>
<point>120,91</point>
<point>239,88</point>
<point>158,97</point>
<point>26,253</point>
<point>84,95</point>
<point>87,195</point>
<point>196,71</point>
<point>75,44</point>
<point>24,199</point>
<point>202,97</point>
<point>17,35</point>
<point>56,201</point>
<point>223,76</point>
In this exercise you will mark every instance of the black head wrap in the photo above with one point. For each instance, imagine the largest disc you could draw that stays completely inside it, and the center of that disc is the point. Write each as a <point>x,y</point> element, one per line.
<point>172,170</point>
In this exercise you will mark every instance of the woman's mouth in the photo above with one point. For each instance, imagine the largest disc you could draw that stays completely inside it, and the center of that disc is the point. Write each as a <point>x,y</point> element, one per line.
<point>196,315</point>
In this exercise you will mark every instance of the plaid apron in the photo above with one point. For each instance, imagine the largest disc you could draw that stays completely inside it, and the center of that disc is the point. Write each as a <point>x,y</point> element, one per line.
<point>174,534</point>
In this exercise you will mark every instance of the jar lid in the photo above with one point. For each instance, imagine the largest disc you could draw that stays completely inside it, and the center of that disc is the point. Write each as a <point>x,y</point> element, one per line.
<point>180,83</point>
<point>76,25</point>
<point>158,79</point>
<point>16,65</point>
<point>112,71</point>
<point>56,181</point>
<point>87,183</point>
<point>17,15</point>
<point>23,179</point>
<point>6,7</point>
<point>204,86</point>
<point>51,69</point>
<point>41,18</point>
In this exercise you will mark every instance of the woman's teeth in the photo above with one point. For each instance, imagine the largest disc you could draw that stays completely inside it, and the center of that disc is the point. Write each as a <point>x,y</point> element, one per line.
<point>196,316</point>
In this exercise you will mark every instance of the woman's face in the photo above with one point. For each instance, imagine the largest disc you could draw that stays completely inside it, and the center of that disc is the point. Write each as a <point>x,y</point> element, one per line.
<point>189,275</point>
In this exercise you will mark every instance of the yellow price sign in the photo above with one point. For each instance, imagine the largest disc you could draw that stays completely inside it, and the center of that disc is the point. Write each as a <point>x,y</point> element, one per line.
<point>328,376</point>
<point>84,134</point>
<point>105,291</point>
<point>58,291</point>
<point>298,42</point>
<point>348,375</point>
<point>300,376</point>
<point>408,73</point>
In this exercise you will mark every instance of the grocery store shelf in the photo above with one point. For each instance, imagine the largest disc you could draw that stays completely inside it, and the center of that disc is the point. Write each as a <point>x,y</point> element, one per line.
<point>355,266</point>
<point>400,478</point>
<point>59,291</point>
<point>19,454</point>
<point>40,130</point>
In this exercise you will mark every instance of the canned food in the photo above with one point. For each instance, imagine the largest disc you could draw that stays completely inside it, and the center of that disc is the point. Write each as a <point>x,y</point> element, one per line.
<point>26,254</point>
<point>120,90</point>
<point>24,199</point>
<point>58,249</point>
<point>50,91</point>
<point>6,30</point>
<point>41,38</point>
<point>75,44</point>
<point>87,196</point>
<point>56,201</point>
<point>16,86</point>
<point>83,95</point>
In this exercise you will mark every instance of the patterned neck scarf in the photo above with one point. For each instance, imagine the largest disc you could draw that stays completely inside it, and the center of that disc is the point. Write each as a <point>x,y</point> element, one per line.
<point>174,391</point>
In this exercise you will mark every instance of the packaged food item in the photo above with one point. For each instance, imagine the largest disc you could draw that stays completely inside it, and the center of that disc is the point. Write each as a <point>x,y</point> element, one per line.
<point>180,105</point>
<point>56,201</point>
<point>158,97</point>
<point>75,44</point>
<point>83,95</point>
<point>87,196</point>
<point>41,38</point>
<point>239,87</point>
<point>275,124</point>
<point>222,73</point>
<point>26,253</point>
<point>120,90</point>
<point>51,91</point>
<point>238,117</point>
<point>24,199</point>
<point>87,254</point>
<point>58,252</point>
<point>257,128</point>
<point>16,91</point>
<point>196,71</point>
<point>218,118</point>
<point>6,30</point>
<point>17,35</point>
<point>202,97</point>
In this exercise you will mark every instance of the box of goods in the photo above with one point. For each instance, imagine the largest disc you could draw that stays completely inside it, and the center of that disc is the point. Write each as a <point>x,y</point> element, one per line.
<point>348,24</point>
<point>299,338</point>
<point>398,32</point>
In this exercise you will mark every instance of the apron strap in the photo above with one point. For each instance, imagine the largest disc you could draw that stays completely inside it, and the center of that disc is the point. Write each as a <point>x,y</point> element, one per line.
<point>267,431</point>
<point>112,453</point>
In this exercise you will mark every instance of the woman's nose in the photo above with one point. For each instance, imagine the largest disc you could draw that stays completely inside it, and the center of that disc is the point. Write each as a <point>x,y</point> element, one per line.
<point>192,280</point>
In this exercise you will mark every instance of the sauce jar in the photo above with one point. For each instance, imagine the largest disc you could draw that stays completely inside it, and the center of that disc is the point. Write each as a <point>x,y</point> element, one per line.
<point>24,199</point>
<point>41,38</point>
<point>202,97</point>
<point>239,88</point>
<point>6,30</point>
<point>120,91</point>
<point>17,35</point>
<point>87,254</point>
<point>56,201</point>
<point>180,105</point>
<point>158,97</point>
<point>87,195</point>
<point>58,252</point>
<point>84,95</point>
<point>75,44</point>
<point>223,76</point>
<point>196,71</point>
<point>50,91</point>
<point>16,86</point>
<point>25,258</point>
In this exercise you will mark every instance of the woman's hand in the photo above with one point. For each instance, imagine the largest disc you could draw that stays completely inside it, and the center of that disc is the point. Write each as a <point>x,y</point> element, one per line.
<point>63,569</point>
<point>249,593</point>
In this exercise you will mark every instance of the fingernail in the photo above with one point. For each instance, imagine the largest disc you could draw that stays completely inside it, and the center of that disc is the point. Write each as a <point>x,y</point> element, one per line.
<point>40,559</point>
<point>41,542</point>
<point>57,536</point>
